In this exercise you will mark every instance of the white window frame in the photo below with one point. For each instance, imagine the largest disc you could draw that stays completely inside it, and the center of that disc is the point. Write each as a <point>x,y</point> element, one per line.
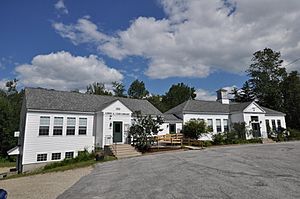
<point>58,126</point>
<point>71,126</point>
<point>44,125</point>
<point>55,153</point>
<point>82,126</point>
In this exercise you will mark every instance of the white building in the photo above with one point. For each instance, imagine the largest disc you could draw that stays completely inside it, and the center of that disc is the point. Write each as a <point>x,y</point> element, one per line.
<point>56,124</point>
<point>221,114</point>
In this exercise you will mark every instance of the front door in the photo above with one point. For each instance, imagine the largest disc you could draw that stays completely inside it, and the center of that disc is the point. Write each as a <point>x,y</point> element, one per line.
<point>172,128</point>
<point>117,132</point>
<point>256,130</point>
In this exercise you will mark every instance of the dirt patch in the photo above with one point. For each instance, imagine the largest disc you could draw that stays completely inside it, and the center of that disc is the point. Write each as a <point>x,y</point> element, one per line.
<point>43,186</point>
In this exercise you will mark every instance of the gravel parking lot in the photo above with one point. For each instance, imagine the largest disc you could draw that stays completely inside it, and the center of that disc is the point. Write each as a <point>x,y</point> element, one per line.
<point>43,186</point>
<point>246,171</point>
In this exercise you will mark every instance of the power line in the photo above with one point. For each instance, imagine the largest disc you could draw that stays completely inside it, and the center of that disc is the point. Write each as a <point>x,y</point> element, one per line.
<point>293,62</point>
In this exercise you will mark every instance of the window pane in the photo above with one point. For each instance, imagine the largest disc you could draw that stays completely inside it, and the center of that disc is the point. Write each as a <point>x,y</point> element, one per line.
<point>82,130</point>
<point>44,121</point>
<point>225,123</point>
<point>218,122</point>
<point>71,130</point>
<point>71,121</point>
<point>56,156</point>
<point>278,123</point>
<point>44,130</point>
<point>57,130</point>
<point>273,125</point>
<point>82,121</point>
<point>58,121</point>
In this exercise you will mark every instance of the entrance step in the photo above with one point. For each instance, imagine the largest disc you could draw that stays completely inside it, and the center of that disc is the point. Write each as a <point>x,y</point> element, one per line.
<point>124,151</point>
<point>267,140</point>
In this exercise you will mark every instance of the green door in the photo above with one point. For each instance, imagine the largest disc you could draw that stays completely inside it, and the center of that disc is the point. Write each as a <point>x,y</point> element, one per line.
<point>117,132</point>
<point>172,128</point>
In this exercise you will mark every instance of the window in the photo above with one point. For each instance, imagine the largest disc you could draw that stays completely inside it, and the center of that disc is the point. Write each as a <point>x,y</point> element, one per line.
<point>268,126</point>
<point>273,125</point>
<point>58,125</point>
<point>225,123</point>
<point>254,118</point>
<point>210,124</point>
<point>56,156</point>
<point>279,124</point>
<point>41,157</point>
<point>44,125</point>
<point>71,122</point>
<point>69,155</point>
<point>218,123</point>
<point>82,126</point>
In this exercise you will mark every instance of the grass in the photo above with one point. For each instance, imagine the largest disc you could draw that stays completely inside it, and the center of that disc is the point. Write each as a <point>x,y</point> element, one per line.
<point>57,167</point>
<point>4,162</point>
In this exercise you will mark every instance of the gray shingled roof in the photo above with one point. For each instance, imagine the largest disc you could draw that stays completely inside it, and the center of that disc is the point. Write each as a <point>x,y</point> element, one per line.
<point>236,107</point>
<point>272,112</point>
<point>171,118</point>
<point>200,106</point>
<point>44,99</point>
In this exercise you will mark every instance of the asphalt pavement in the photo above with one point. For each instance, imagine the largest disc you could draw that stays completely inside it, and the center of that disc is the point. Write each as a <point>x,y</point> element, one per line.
<point>244,171</point>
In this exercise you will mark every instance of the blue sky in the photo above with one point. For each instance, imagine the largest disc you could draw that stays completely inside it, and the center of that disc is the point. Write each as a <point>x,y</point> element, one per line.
<point>206,44</point>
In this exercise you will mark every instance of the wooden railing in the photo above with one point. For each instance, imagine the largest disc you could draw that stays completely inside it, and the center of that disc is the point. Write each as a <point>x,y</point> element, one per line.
<point>177,139</point>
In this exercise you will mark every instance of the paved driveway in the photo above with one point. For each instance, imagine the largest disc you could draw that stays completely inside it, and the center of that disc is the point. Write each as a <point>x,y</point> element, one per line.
<point>248,171</point>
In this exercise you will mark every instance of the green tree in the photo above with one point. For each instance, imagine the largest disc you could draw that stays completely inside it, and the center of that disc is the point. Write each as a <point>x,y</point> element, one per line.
<point>12,85</point>
<point>10,107</point>
<point>142,130</point>
<point>177,94</point>
<point>194,129</point>
<point>156,100</point>
<point>97,89</point>
<point>245,94</point>
<point>291,95</point>
<point>137,90</point>
<point>118,89</point>
<point>266,75</point>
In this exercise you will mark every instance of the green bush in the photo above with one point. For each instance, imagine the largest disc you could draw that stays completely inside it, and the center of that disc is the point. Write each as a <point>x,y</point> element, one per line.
<point>194,129</point>
<point>294,134</point>
<point>82,156</point>
<point>207,143</point>
<point>232,138</point>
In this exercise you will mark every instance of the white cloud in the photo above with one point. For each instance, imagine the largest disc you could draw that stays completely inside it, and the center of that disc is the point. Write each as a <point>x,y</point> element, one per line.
<point>60,6</point>
<point>202,94</point>
<point>64,71</point>
<point>198,37</point>
<point>3,84</point>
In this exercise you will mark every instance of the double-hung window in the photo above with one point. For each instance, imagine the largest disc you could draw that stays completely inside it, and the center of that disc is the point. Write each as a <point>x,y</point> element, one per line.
<point>82,126</point>
<point>218,123</point>
<point>58,125</point>
<point>44,125</point>
<point>273,125</point>
<point>71,123</point>
<point>225,123</point>
<point>279,124</point>
<point>210,124</point>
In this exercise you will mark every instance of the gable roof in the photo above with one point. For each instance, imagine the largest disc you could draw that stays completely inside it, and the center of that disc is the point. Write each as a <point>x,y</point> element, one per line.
<point>171,118</point>
<point>45,99</point>
<point>214,107</point>
<point>272,112</point>
<point>196,106</point>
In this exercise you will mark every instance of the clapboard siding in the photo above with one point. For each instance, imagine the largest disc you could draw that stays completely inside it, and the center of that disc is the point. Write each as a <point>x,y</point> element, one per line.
<point>34,144</point>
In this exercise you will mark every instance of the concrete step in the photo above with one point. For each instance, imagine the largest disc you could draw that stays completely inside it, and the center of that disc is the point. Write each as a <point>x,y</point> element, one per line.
<point>124,151</point>
<point>267,140</point>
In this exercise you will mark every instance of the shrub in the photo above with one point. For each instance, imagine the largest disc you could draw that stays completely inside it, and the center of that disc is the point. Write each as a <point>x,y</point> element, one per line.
<point>82,156</point>
<point>293,134</point>
<point>142,129</point>
<point>194,129</point>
